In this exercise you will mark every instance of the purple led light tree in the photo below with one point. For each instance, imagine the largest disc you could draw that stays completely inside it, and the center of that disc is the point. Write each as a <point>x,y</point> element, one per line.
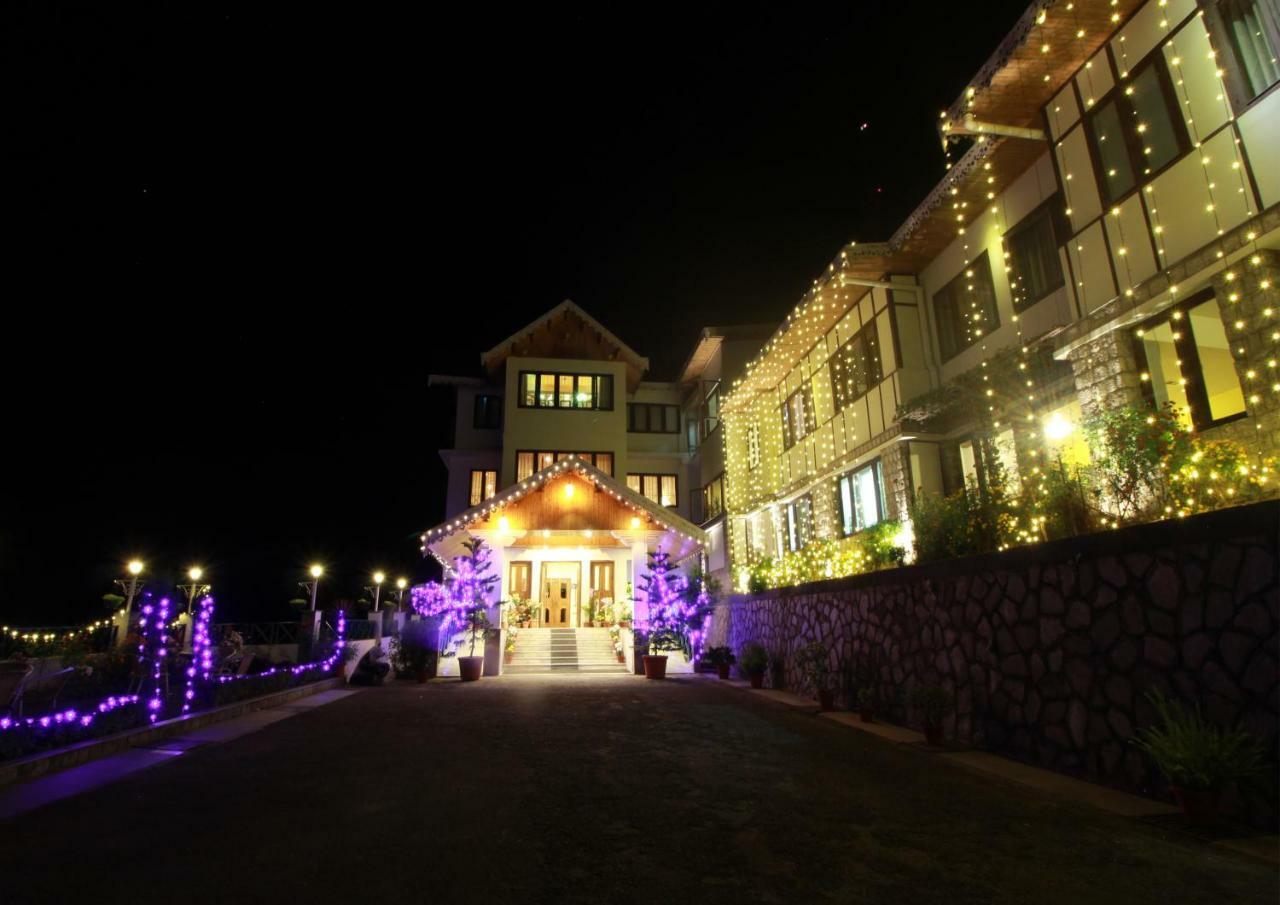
<point>668,611</point>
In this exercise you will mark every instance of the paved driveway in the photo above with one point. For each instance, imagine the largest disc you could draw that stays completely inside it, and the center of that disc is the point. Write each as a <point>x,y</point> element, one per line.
<point>587,789</point>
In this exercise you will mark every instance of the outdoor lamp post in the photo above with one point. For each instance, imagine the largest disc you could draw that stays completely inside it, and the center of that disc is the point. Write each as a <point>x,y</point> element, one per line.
<point>401,584</point>
<point>196,589</point>
<point>310,586</point>
<point>378,579</point>
<point>130,586</point>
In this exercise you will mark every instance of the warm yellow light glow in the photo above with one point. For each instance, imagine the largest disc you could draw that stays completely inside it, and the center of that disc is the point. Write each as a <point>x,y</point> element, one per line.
<point>504,524</point>
<point>379,577</point>
<point>195,573</point>
<point>135,567</point>
<point>402,583</point>
<point>1057,427</point>
<point>317,571</point>
<point>635,522</point>
<point>568,491</point>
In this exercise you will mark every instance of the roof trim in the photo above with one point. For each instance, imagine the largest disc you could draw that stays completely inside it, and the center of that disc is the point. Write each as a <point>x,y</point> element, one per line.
<point>661,514</point>
<point>499,351</point>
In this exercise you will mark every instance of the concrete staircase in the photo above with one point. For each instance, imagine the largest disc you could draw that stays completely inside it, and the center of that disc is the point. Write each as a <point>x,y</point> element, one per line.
<point>545,650</point>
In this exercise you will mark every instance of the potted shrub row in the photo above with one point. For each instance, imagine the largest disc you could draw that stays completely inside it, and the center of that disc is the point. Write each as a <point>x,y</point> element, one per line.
<point>753,660</point>
<point>814,664</point>
<point>721,658</point>
<point>931,704</point>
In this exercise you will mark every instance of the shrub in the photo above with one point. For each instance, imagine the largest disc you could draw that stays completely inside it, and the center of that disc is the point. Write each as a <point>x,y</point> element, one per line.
<point>1135,451</point>
<point>415,649</point>
<point>719,656</point>
<point>1195,754</point>
<point>752,659</point>
<point>930,702</point>
<point>812,661</point>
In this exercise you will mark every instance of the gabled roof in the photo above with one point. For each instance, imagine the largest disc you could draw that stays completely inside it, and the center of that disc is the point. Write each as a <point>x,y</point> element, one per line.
<point>620,491</point>
<point>582,337</point>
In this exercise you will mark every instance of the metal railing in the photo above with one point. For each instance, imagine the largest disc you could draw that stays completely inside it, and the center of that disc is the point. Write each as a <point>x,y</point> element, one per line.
<point>258,632</point>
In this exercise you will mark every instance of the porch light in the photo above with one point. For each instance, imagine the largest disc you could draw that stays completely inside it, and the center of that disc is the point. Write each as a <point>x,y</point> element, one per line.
<point>635,522</point>
<point>504,524</point>
<point>1057,428</point>
<point>568,491</point>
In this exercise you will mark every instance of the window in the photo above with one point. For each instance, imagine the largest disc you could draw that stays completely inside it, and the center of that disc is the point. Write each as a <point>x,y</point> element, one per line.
<point>488,412</point>
<point>797,416</point>
<point>601,579</point>
<point>860,495</point>
<point>484,484</point>
<point>753,445</point>
<point>520,583</point>
<point>691,434</point>
<point>965,309</point>
<point>799,517</point>
<point>1138,132</point>
<point>653,418</point>
<point>855,368</point>
<point>710,410</point>
<point>661,488</point>
<point>1250,31</point>
<point>566,391</point>
<point>1033,254</point>
<point>713,499</point>
<point>529,461</point>
<point>1188,363</point>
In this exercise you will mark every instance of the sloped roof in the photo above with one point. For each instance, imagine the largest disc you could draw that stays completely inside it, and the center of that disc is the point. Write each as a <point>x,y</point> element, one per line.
<point>539,339</point>
<point>620,491</point>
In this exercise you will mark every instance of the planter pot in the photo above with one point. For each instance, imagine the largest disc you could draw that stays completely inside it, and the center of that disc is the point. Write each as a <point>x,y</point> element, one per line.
<point>655,667</point>
<point>866,714</point>
<point>722,670</point>
<point>508,656</point>
<point>826,699</point>
<point>423,674</point>
<point>622,658</point>
<point>933,736</point>
<point>757,680</point>
<point>1199,805</point>
<point>470,668</point>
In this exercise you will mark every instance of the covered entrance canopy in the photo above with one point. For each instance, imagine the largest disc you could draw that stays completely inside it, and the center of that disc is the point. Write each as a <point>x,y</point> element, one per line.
<point>566,538</point>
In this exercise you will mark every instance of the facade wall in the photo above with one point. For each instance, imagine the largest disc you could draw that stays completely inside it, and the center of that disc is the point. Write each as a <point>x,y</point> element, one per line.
<point>1049,651</point>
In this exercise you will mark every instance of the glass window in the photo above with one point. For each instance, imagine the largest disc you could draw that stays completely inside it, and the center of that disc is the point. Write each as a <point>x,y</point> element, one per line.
<point>1154,124</point>
<point>1188,363</point>
<point>668,494</point>
<point>1138,131</point>
<point>1033,256</point>
<point>1113,154</point>
<point>660,488</point>
<point>965,309</point>
<point>586,394</point>
<point>1252,30</point>
<point>753,445</point>
<point>855,368</point>
<point>580,391</point>
<point>633,483</point>
<point>529,392</point>
<point>484,484</point>
<point>488,412</point>
<point>797,416</point>
<point>861,499</point>
<point>547,390</point>
<point>604,392</point>
<point>524,465</point>
<point>799,523</point>
<point>566,391</point>
<point>604,462</point>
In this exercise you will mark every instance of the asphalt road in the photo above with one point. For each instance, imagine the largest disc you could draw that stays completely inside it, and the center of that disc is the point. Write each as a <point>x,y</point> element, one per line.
<point>572,789</point>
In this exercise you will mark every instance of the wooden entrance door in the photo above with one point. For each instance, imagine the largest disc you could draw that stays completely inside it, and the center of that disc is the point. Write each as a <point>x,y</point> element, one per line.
<point>557,603</point>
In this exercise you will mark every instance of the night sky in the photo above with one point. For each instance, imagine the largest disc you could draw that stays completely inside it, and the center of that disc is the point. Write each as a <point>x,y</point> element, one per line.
<point>238,245</point>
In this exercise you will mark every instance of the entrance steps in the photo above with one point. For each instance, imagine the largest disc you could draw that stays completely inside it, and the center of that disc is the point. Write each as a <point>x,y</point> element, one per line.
<point>541,650</point>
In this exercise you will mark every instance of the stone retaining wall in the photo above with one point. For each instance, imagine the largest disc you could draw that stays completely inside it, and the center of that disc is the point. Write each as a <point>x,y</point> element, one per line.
<point>1050,649</point>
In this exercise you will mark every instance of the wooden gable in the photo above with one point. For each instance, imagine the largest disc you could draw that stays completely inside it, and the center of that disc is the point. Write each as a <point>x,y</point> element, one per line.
<point>567,502</point>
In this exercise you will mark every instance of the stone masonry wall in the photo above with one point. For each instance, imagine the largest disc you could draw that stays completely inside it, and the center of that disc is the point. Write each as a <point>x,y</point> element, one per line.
<point>1050,649</point>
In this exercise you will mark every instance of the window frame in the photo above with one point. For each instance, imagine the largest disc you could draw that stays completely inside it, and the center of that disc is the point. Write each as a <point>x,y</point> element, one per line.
<point>597,381</point>
<point>753,446</point>
<point>477,421</point>
<point>1190,366</point>
<point>1237,83</point>
<point>1133,148</point>
<point>796,539</point>
<point>641,475</point>
<point>877,467</point>
<point>983,260</point>
<point>484,484</point>
<point>1053,210</point>
<point>869,336</point>
<point>789,437</point>
<point>559,454</point>
<point>705,497</point>
<point>648,407</point>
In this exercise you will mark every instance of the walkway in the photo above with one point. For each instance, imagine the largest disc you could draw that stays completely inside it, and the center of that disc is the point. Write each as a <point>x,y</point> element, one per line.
<point>599,789</point>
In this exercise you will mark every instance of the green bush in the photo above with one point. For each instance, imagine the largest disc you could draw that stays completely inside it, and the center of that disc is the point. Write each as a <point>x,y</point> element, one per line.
<point>930,702</point>
<point>812,661</point>
<point>753,660</point>
<point>1195,754</point>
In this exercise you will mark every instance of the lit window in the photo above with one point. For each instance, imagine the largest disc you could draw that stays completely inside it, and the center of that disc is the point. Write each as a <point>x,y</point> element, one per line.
<point>1138,131</point>
<point>660,488</point>
<point>1250,30</point>
<point>568,391</point>
<point>861,498</point>
<point>964,310</point>
<point>1036,269</point>
<point>484,484</point>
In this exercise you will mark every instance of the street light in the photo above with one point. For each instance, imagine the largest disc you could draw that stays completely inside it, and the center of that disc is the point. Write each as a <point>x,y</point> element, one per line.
<point>378,579</point>
<point>401,584</point>
<point>196,589</point>
<point>130,587</point>
<point>310,586</point>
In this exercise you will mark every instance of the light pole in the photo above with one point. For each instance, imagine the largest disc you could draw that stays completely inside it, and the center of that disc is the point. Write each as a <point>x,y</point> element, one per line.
<point>195,590</point>
<point>401,585</point>
<point>310,586</point>
<point>378,579</point>
<point>130,587</point>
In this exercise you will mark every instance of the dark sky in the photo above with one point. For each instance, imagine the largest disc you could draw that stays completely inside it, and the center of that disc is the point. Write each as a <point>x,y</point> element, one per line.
<point>239,245</point>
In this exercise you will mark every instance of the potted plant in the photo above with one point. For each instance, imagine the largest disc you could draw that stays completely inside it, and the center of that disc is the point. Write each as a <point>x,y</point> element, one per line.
<point>615,636</point>
<point>931,703</point>
<point>866,704</point>
<point>813,663</point>
<point>753,660</point>
<point>414,652</point>
<point>509,648</point>
<point>1198,758</point>
<point>663,591</point>
<point>468,592</point>
<point>721,658</point>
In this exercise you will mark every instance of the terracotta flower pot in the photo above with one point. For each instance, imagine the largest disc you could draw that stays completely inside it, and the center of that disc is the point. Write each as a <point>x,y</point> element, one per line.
<point>423,674</point>
<point>757,680</point>
<point>933,735</point>
<point>655,667</point>
<point>622,658</point>
<point>1199,805</point>
<point>470,668</point>
<point>508,656</point>
<point>866,714</point>
<point>722,670</point>
<point>826,699</point>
